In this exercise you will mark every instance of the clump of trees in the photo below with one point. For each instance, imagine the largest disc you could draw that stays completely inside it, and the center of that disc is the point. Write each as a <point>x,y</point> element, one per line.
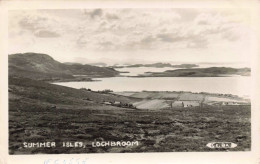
<point>119,104</point>
<point>106,91</point>
<point>86,89</point>
<point>102,91</point>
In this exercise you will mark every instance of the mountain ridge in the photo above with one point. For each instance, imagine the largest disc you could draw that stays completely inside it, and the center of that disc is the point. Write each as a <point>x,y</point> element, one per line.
<point>43,67</point>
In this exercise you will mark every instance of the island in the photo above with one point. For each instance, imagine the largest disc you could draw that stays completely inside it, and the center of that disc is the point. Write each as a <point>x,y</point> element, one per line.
<point>200,72</point>
<point>158,65</point>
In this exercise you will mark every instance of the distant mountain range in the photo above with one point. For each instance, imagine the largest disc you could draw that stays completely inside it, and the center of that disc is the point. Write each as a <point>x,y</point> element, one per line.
<point>43,67</point>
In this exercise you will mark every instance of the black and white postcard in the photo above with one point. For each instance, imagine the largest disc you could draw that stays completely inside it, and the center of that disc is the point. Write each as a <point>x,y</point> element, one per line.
<point>101,79</point>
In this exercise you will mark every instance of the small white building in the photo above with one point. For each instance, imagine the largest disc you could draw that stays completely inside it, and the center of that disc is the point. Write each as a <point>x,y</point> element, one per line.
<point>117,103</point>
<point>107,103</point>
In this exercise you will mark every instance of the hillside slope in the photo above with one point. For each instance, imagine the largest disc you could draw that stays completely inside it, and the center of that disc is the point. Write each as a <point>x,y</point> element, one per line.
<point>43,67</point>
<point>41,112</point>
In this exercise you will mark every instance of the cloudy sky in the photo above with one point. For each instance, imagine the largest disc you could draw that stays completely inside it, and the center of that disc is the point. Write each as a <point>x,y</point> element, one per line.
<point>133,35</point>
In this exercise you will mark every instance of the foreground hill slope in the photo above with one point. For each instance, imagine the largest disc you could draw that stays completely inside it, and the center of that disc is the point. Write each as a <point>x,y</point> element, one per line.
<point>40,112</point>
<point>43,67</point>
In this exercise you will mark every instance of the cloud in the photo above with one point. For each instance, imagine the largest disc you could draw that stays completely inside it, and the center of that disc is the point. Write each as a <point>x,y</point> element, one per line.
<point>94,13</point>
<point>131,29</point>
<point>198,42</point>
<point>148,40</point>
<point>230,36</point>
<point>204,19</point>
<point>107,45</point>
<point>187,14</point>
<point>46,34</point>
<point>111,16</point>
<point>170,37</point>
<point>39,26</point>
<point>31,23</point>
<point>81,41</point>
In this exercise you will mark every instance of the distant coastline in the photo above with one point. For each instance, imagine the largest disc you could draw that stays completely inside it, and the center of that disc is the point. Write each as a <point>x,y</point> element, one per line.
<point>158,65</point>
<point>43,67</point>
<point>200,72</point>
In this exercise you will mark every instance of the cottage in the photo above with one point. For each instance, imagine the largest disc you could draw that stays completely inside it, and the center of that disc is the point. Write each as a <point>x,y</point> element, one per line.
<point>117,103</point>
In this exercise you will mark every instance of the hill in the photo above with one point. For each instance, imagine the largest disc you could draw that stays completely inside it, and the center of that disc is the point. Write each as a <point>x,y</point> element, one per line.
<point>43,67</point>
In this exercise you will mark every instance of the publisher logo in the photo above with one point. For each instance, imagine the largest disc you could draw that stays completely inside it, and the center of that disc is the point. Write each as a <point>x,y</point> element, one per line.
<point>221,145</point>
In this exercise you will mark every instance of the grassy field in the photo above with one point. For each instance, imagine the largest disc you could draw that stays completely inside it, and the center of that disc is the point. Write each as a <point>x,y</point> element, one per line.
<point>40,112</point>
<point>161,99</point>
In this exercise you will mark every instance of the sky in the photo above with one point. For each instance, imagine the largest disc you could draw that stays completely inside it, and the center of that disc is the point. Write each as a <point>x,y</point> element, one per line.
<point>127,36</point>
